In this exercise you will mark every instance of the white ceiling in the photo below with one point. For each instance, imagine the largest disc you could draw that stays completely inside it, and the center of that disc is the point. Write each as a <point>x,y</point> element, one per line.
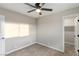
<point>22,8</point>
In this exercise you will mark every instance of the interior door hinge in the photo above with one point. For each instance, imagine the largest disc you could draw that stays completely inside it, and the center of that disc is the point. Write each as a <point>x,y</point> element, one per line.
<point>77,35</point>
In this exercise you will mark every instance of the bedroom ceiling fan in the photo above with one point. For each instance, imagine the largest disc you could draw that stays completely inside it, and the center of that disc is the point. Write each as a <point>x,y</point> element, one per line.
<point>38,7</point>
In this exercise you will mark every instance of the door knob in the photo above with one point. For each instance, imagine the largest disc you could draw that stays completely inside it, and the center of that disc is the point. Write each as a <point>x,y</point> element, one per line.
<point>3,38</point>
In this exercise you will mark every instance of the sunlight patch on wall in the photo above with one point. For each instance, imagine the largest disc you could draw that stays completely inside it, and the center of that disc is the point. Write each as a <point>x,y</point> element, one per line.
<point>24,30</point>
<point>16,30</point>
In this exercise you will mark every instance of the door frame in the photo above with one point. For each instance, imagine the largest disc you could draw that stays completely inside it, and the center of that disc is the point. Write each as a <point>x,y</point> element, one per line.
<point>3,32</point>
<point>76,41</point>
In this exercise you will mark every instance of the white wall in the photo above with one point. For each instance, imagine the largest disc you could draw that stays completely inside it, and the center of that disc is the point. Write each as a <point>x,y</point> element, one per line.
<point>69,21</point>
<point>15,43</point>
<point>50,29</point>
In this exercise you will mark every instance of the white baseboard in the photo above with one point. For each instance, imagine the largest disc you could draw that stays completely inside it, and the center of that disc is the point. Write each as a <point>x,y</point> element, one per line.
<point>50,47</point>
<point>30,45</point>
<point>19,48</point>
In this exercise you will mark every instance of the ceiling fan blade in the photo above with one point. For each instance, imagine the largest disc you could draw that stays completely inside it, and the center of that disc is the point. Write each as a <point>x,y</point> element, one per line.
<point>46,9</point>
<point>30,5</point>
<point>42,4</point>
<point>31,10</point>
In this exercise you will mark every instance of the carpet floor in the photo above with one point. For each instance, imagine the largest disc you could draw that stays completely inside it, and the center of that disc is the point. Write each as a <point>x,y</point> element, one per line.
<point>39,50</point>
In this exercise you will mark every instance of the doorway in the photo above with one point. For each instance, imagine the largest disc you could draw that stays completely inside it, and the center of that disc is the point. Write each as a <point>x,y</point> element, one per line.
<point>70,35</point>
<point>2,41</point>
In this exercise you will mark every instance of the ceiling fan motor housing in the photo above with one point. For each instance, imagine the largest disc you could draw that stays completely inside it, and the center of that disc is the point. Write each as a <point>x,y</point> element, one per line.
<point>38,5</point>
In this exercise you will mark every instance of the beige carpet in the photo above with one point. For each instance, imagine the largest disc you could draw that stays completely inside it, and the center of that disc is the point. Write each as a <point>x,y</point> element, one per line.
<point>39,50</point>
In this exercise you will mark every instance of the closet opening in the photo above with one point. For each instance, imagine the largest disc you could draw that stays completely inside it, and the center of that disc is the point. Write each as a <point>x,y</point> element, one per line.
<point>69,35</point>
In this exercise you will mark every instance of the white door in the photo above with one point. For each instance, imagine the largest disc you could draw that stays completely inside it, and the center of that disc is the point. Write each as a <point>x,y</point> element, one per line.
<point>77,34</point>
<point>2,41</point>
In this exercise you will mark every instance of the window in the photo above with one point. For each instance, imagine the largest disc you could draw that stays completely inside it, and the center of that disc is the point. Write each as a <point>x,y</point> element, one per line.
<point>16,30</point>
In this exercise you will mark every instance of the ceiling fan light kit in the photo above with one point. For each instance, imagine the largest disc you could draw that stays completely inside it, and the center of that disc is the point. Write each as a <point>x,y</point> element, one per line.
<point>38,10</point>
